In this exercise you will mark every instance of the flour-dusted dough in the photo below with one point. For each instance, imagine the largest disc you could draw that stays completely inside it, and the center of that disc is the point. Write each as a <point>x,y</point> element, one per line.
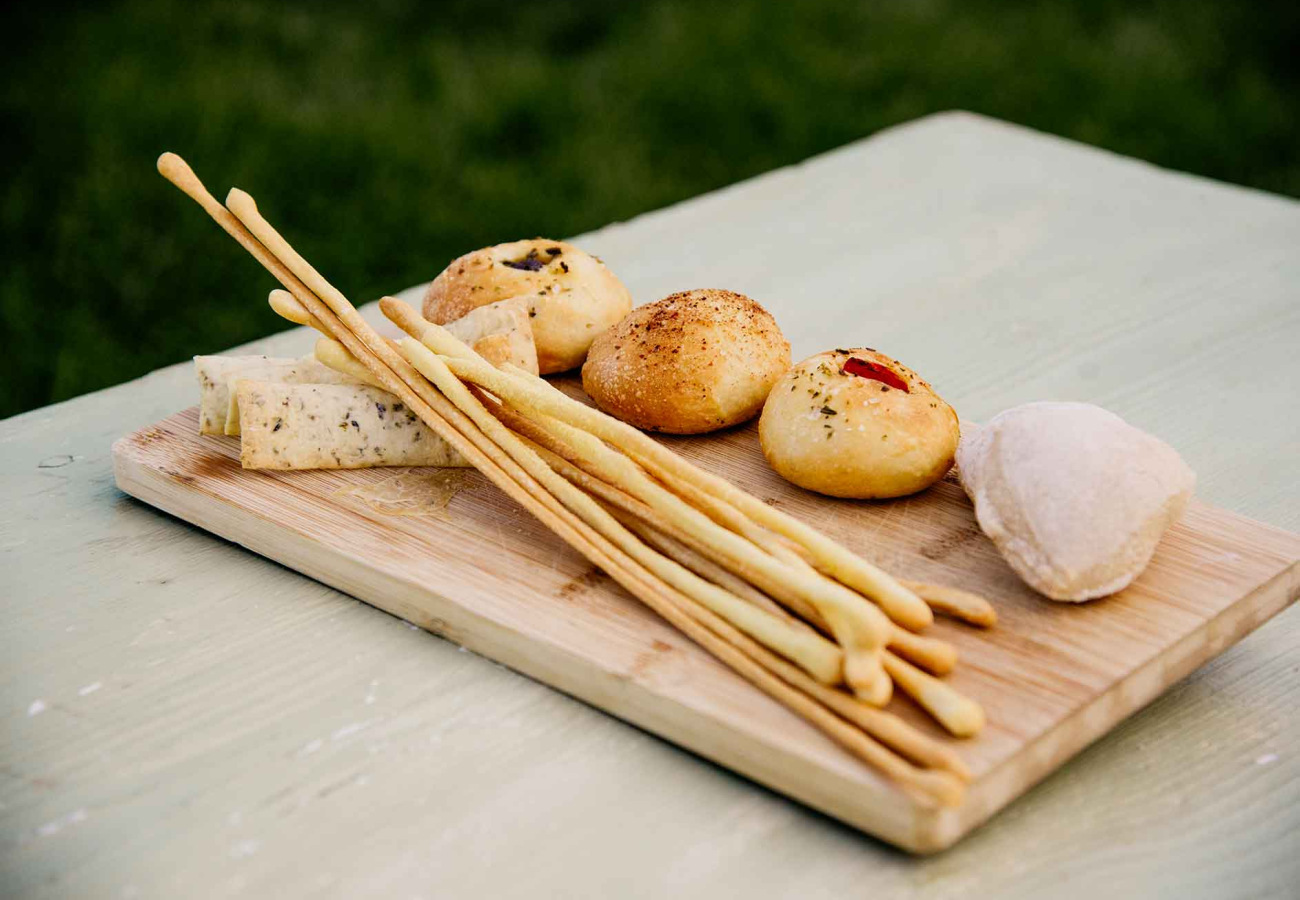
<point>333,426</point>
<point>1074,497</point>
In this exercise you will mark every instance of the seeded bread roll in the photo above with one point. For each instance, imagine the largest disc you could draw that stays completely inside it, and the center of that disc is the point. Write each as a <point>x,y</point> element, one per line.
<point>571,296</point>
<point>857,424</point>
<point>692,362</point>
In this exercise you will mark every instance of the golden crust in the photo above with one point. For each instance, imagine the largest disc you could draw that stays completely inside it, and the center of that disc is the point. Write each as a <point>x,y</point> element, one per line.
<point>852,436</point>
<point>572,297</point>
<point>692,362</point>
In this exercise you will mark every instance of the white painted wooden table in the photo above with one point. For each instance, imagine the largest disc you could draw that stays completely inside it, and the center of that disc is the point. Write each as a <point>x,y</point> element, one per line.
<point>183,718</point>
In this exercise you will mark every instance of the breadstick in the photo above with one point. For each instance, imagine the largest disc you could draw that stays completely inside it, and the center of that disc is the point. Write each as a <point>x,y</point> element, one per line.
<point>331,353</point>
<point>762,569</point>
<point>935,656</point>
<point>883,726</point>
<point>959,604</point>
<point>286,306</point>
<point>501,470</point>
<point>937,785</point>
<point>703,566</point>
<point>547,444</point>
<point>962,716</point>
<point>905,609</point>
<point>836,560</point>
<point>859,627</point>
<point>809,650</point>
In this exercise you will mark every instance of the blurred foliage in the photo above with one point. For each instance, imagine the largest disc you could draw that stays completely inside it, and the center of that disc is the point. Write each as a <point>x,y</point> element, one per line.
<point>388,137</point>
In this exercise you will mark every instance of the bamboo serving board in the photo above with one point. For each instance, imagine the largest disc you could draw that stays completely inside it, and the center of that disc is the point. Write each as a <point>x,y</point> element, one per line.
<point>446,550</point>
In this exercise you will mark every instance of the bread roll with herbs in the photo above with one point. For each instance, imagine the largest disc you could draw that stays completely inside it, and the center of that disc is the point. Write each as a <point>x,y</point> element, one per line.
<point>857,424</point>
<point>571,296</point>
<point>692,362</point>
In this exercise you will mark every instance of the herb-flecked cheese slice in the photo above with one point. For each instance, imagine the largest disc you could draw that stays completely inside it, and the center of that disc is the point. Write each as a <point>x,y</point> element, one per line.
<point>214,373</point>
<point>218,406</point>
<point>332,426</point>
<point>286,371</point>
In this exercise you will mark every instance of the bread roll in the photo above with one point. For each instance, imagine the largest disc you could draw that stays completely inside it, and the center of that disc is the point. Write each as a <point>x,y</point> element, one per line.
<point>571,296</point>
<point>692,362</point>
<point>855,423</point>
<point>1074,498</point>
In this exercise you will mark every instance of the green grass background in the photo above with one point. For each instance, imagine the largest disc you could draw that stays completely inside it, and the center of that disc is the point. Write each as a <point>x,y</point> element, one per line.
<point>388,137</point>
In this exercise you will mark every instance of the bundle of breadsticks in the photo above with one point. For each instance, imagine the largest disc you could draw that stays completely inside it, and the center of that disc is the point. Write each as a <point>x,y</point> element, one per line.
<point>805,620</point>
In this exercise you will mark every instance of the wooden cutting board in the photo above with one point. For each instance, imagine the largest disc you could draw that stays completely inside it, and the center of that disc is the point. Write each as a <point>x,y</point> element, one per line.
<point>446,550</point>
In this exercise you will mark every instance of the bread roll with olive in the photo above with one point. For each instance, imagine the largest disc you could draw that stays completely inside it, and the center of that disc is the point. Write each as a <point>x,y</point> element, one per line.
<point>692,362</point>
<point>857,424</point>
<point>571,296</point>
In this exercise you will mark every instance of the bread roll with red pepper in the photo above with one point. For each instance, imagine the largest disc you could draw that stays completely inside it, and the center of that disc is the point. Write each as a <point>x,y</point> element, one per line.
<point>571,295</point>
<point>857,424</point>
<point>692,362</point>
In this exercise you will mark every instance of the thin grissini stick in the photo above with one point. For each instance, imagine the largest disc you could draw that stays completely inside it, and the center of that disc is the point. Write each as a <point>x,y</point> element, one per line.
<point>567,527</point>
<point>704,567</point>
<point>828,556</point>
<point>885,727</point>
<point>391,370</point>
<point>667,466</point>
<point>810,651</point>
<point>328,305</point>
<point>960,604</point>
<point>553,451</point>
<point>960,715</point>
<point>286,306</point>
<point>178,172</point>
<point>932,654</point>
<point>644,522</point>
<point>331,353</point>
<point>861,652</point>
<point>963,605</point>
<point>859,627</point>
<point>906,609</point>
<point>935,656</point>
<point>245,209</point>
<point>636,514</point>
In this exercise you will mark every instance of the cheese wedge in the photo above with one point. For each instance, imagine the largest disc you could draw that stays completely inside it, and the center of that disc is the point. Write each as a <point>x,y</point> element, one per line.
<point>332,426</point>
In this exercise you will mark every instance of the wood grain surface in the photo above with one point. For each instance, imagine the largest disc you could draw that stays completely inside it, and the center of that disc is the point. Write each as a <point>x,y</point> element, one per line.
<point>186,718</point>
<point>477,569</point>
